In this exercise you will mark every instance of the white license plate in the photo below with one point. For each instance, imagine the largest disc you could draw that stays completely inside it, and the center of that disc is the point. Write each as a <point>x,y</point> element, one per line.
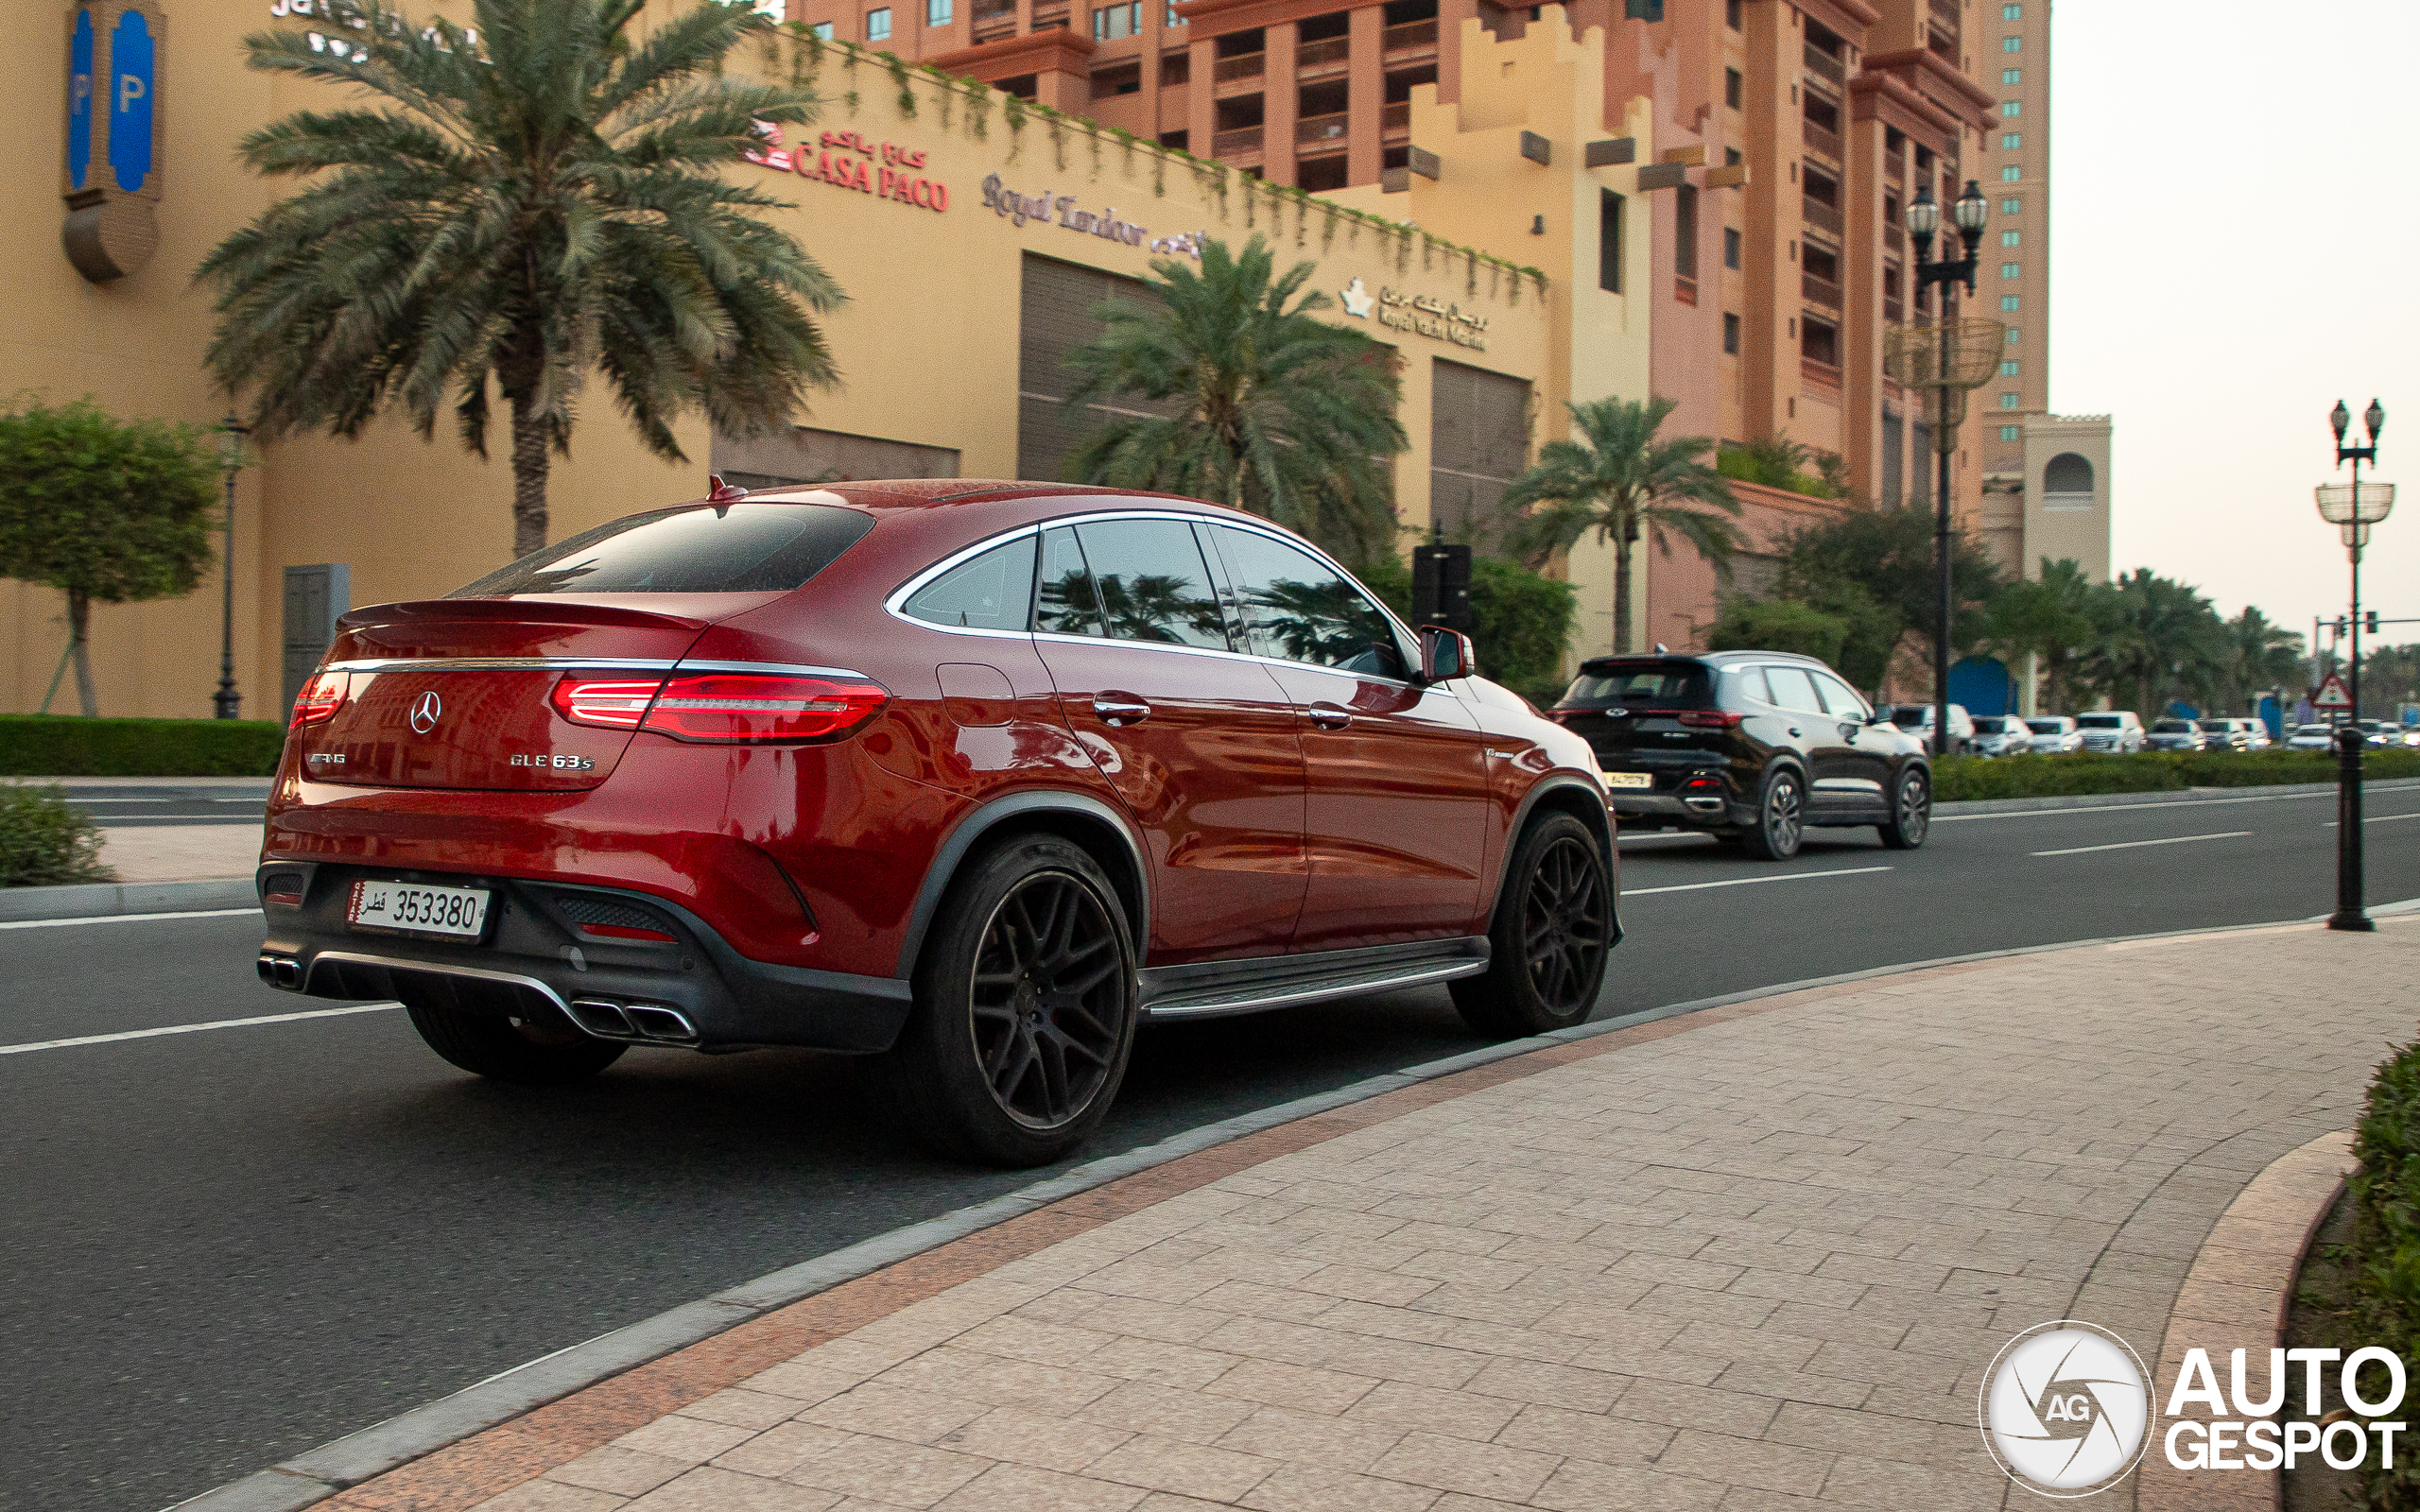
<point>1630,778</point>
<point>459,912</point>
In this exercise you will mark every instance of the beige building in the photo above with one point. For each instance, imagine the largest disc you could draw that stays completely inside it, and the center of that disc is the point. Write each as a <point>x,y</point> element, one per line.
<point>973,236</point>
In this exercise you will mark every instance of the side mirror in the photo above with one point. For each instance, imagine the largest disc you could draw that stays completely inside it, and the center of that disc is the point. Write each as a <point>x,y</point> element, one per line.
<point>1446,655</point>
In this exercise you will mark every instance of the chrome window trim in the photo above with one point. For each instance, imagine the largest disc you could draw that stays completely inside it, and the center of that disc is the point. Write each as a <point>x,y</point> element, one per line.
<point>893,605</point>
<point>582,663</point>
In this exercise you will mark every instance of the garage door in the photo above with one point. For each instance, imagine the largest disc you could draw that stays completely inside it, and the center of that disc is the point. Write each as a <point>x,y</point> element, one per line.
<point>1055,317</point>
<point>1479,441</point>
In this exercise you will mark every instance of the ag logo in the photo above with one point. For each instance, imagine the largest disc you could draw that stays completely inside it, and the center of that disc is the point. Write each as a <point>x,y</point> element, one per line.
<point>2067,1409</point>
<point>426,709</point>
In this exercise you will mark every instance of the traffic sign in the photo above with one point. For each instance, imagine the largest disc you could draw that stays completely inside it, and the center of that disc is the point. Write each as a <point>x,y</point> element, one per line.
<point>2332,695</point>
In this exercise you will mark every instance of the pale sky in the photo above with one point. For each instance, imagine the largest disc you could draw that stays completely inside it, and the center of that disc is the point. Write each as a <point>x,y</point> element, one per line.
<point>2233,241</point>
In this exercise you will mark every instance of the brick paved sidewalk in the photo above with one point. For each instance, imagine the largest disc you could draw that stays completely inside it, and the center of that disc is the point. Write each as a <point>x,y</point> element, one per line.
<point>1756,1259</point>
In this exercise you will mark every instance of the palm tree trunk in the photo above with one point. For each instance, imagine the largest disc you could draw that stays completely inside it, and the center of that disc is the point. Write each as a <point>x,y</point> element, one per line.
<point>79,626</point>
<point>529,463</point>
<point>1625,541</point>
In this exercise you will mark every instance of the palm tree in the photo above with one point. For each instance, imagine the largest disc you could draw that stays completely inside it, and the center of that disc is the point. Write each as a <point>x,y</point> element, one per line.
<point>2154,633</point>
<point>2259,655</point>
<point>1261,407</point>
<point>520,202</point>
<point>2048,618</point>
<point>1618,479</point>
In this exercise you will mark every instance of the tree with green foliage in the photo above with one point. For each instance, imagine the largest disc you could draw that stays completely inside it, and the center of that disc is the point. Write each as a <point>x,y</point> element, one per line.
<point>2049,618</point>
<point>1617,477</point>
<point>1779,625</point>
<point>1520,621</point>
<point>104,510</point>
<point>1875,568</point>
<point>2257,655</point>
<point>1778,462</point>
<point>520,202</point>
<point>2157,639</point>
<point>1258,405</point>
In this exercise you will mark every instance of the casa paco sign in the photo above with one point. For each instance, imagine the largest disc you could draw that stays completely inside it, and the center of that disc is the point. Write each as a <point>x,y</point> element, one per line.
<point>851,160</point>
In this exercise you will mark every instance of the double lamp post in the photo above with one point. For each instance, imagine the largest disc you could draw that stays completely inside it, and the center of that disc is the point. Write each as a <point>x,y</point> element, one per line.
<point>2353,508</point>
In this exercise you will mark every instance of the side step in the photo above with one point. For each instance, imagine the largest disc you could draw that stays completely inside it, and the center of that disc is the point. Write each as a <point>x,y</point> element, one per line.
<point>1215,987</point>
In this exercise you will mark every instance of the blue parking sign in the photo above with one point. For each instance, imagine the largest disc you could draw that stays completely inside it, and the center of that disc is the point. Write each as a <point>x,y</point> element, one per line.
<point>132,67</point>
<point>79,101</point>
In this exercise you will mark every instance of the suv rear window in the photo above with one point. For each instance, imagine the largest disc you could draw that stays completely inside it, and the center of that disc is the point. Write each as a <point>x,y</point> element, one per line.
<point>1649,685</point>
<point>2174,726</point>
<point>739,548</point>
<point>1910,716</point>
<point>2098,722</point>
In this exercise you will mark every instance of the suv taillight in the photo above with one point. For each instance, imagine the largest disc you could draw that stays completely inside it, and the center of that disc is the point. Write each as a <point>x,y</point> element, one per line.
<point>1709,718</point>
<point>320,699</point>
<point>723,707</point>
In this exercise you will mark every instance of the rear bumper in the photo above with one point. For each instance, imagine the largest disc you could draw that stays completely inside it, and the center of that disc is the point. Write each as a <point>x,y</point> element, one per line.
<point>536,961</point>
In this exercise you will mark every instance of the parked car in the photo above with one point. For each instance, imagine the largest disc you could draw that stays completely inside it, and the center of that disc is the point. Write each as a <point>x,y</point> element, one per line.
<point>2110,732</point>
<point>2234,734</point>
<point>2002,735</point>
<point>2055,734</point>
<point>1916,718</point>
<point>2175,734</point>
<point>968,777</point>
<point>2312,737</point>
<point>2378,732</point>
<point>1751,745</point>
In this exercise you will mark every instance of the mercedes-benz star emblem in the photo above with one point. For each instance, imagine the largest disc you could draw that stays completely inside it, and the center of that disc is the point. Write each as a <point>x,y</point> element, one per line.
<point>425,710</point>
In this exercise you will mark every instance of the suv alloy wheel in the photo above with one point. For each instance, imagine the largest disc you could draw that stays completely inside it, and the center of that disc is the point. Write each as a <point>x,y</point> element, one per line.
<point>1781,818</point>
<point>1552,930</point>
<point>1911,811</point>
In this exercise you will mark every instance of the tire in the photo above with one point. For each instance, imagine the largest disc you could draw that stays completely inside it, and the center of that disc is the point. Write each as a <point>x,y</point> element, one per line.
<point>1910,811</point>
<point>1024,1010</point>
<point>1781,818</point>
<point>523,1051</point>
<point>1553,934</point>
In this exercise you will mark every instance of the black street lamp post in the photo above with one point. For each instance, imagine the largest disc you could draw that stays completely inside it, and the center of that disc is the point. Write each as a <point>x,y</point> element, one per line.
<point>2353,508</point>
<point>227,701</point>
<point>1924,220</point>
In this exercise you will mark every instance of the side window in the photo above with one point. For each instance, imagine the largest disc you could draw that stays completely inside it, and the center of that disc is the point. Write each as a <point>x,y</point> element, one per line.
<point>1151,582</point>
<point>1748,683</point>
<point>992,592</point>
<point>1297,608</point>
<point>1793,690</point>
<point>1842,699</point>
<point>1064,601</point>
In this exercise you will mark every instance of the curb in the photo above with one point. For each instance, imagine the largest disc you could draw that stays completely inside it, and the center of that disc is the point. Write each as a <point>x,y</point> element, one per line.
<point>2191,794</point>
<point>107,899</point>
<point>332,1466</point>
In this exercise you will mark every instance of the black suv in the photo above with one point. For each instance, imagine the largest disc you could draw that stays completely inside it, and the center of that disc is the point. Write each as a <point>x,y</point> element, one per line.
<point>1752,746</point>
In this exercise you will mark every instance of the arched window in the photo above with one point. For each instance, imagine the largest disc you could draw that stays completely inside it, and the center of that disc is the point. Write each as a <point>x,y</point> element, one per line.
<point>2067,483</point>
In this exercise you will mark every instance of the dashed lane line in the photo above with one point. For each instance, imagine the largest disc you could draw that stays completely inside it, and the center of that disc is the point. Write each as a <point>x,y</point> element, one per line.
<point>130,919</point>
<point>194,1029</point>
<point>2130,845</point>
<point>1744,882</point>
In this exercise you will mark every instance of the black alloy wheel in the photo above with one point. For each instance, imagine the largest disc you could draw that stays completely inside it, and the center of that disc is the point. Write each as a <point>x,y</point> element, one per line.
<point>1911,811</point>
<point>1025,1008</point>
<point>1781,818</point>
<point>1551,936</point>
<point>1047,1000</point>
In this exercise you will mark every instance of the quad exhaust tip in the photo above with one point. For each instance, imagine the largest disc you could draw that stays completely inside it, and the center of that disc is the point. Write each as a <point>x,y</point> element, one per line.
<point>645,1021</point>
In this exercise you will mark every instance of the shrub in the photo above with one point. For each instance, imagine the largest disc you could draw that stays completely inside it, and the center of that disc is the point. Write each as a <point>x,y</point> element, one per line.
<point>45,842</point>
<point>1521,621</point>
<point>1958,778</point>
<point>36,745</point>
<point>2385,1260</point>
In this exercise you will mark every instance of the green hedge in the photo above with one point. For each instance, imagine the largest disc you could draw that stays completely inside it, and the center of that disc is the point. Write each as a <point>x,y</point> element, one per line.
<point>44,842</point>
<point>1958,778</point>
<point>2385,1260</point>
<point>52,745</point>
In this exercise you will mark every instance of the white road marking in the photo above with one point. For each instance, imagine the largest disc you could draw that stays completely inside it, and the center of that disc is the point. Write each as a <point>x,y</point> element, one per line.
<point>2128,808</point>
<point>1742,882</point>
<point>130,919</point>
<point>2375,818</point>
<point>195,1028</point>
<point>2130,845</point>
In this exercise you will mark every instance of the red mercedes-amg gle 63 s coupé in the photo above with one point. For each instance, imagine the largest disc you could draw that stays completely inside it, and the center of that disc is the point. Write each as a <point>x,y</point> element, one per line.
<point>967,778</point>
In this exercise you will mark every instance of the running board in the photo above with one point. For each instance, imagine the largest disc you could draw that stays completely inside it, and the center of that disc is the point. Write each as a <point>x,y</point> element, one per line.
<point>1213,987</point>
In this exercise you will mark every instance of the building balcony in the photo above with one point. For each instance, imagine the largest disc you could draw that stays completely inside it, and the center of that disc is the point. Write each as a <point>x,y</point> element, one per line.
<point>1823,376</point>
<point>1310,130</point>
<point>1822,139</point>
<point>1892,310</point>
<point>1410,42</point>
<point>1823,65</point>
<point>1325,59</point>
<point>992,22</point>
<point>1238,76</point>
<point>1820,291</point>
<point>1820,215</point>
<point>1895,239</point>
<point>1243,142</point>
<point>1685,289</point>
<point>1046,17</point>
<point>1395,122</point>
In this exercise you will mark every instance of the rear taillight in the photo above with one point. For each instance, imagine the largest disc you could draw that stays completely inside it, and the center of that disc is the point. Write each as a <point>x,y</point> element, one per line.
<point>1709,718</point>
<point>320,699</point>
<point>724,707</point>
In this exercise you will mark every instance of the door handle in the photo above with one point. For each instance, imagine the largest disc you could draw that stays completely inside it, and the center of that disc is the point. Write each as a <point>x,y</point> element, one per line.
<point>1117,709</point>
<point>1793,733</point>
<point>1328,716</point>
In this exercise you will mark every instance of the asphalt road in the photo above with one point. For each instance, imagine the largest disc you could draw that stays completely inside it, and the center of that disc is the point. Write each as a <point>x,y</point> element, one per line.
<point>136,805</point>
<point>227,1246</point>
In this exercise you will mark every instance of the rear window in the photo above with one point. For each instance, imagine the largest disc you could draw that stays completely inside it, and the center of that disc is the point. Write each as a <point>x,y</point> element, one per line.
<point>2098,722</point>
<point>2174,726</point>
<point>1650,685</point>
<point>739,548</point>
<point>1908,716</point>
<point>2219,726</point>
<point>2044,726</point>
<point>1986,725</point>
